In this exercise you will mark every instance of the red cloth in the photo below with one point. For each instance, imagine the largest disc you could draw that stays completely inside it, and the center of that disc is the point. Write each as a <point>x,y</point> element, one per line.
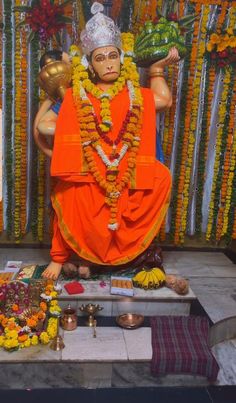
<point>74,288</point>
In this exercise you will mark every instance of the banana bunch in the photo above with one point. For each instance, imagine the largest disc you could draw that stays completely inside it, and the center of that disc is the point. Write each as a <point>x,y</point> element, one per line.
<point>149,279</point>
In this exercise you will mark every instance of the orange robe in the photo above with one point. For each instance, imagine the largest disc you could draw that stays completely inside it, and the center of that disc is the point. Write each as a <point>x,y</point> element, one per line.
<point>81,215</point>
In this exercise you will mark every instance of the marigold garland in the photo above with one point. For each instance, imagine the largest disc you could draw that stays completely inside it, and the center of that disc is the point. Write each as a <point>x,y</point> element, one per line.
<point>228,168</point>
<point>188,143</point>
<point>35,55</point>
<point>217,218</point>
<point>1,44</point>
<point>222,111</point>
<point>193,112</point>
<point>175,217</point>
<point>16,337</point>
<point>94,131</point>
<point>23,132</point>
<point>41,188</point>
<point>7,29</point>
<point>17,131</point>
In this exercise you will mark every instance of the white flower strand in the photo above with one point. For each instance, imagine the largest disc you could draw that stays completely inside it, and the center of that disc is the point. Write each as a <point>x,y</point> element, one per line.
<point>105,158</point>
<point>113,227</point>
<point>131,93</point>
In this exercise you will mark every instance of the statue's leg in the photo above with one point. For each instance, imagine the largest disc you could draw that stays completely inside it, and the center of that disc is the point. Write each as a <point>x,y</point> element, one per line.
<point>60,253</point>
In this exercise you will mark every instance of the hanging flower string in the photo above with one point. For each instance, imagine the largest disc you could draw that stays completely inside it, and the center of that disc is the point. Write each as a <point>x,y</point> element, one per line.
<point>94,134</point>
<point>17,132</point>
<point>218,206</point>
<point>188,143</point>
<point>228,167</point>
<point>23,132</point>
<point>1,169</point>
<point>191,126</point>
<point>222,111</point>
<point>41,187</point>
<point>7,30</point>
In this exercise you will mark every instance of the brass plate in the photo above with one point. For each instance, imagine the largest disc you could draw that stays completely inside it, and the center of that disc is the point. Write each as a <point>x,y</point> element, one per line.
<point>130,320</point>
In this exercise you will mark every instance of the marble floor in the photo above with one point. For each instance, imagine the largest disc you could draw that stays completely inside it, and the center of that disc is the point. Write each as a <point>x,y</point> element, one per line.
<point>212,278</point>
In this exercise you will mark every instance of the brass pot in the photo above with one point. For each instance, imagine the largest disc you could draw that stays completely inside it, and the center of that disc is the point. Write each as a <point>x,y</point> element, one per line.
<point>69,319</point>
<point>55,78</point>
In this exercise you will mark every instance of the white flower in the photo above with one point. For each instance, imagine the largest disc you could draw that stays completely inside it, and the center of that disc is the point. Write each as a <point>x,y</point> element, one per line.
<point>26,329</point>
<point>113,227</point>
<point>46,297</point>
<point>58,287</point>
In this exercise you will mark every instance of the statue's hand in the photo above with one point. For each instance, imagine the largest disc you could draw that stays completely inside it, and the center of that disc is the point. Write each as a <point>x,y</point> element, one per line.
<point>171,58</point>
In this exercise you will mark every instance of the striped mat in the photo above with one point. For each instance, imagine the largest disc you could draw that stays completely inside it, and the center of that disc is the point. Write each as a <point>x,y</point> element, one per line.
<point>180,346</point>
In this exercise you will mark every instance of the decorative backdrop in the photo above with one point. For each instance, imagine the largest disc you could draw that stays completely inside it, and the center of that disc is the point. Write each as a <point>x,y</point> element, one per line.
<point>198,133</point>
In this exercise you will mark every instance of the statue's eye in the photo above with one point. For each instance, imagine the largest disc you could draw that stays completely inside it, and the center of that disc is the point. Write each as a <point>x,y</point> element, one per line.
<point>100,58</point>
<point>113,55</point>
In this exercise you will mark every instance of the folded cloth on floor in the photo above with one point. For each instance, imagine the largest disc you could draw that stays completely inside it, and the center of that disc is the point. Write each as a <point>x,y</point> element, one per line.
<point>180,345</point>
<point>74,288</point>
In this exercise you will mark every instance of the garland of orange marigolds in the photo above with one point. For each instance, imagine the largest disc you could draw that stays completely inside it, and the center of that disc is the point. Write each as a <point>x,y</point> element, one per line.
<point>23,132</point>
<point>94,130</point>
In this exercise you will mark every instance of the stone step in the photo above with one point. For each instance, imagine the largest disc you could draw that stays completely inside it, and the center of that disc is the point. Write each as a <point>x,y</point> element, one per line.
<point>162,301</point>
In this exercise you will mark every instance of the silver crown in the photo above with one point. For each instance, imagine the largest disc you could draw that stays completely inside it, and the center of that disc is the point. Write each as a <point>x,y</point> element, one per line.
<point>99,31</point>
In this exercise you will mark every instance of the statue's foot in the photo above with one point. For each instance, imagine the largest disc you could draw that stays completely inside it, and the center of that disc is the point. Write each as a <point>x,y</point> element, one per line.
<point>52,271</point>
<point>84,271</point>
<point>70,270</point>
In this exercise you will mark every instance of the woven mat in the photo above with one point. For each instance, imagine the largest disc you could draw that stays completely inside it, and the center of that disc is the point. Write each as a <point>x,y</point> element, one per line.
<point>180,345</point>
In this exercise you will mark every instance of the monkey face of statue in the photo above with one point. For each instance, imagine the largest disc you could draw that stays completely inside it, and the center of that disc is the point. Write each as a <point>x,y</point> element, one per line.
<point>105,62</point>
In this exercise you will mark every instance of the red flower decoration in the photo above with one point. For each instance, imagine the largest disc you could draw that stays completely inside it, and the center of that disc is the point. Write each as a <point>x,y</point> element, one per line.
<point>44,18</point>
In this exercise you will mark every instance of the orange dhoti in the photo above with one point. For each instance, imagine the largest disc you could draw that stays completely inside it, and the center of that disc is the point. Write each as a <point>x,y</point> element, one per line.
<point>81,214</point>
<point>80,223</point>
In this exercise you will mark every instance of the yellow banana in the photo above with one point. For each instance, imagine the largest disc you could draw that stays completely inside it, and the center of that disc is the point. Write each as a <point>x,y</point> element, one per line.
<point>159,277</point>
<point>158,273</point>
<point>139,277</point>
<point>146,281</point>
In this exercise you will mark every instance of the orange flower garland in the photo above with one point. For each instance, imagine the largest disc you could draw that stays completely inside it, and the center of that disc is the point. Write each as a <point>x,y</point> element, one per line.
<point>181,8</point>
<point>229,170</point>
<point>23,131</point>
<point>194,119</point>
<point>1,201</point>
<point>93,134</point>
<point>41,187</point>
<point>187,149</point>
<point>17,130</point>
<point>222,112</point>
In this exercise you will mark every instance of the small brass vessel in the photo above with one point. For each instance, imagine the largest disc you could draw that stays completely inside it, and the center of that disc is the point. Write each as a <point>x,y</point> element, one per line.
<point>130,320</point>
<point>55,78</point>
<point>57,343</point>
<point>91,310</point>
<point>69,319</point>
